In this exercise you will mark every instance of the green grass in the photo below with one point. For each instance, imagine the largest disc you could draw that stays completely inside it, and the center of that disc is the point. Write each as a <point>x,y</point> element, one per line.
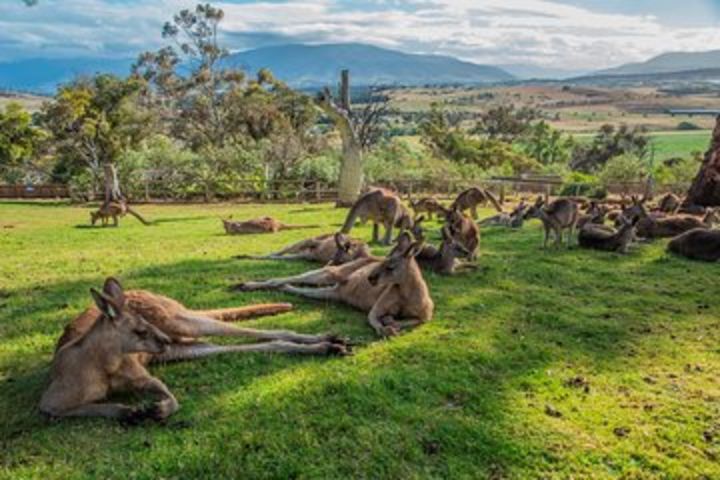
<point>465,396</point>
<point>680,144</point>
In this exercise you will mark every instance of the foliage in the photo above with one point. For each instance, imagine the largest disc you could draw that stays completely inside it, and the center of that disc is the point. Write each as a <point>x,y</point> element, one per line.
<point>678,171</point>
<point>686,126</point>
<point>20,142</point>
<point>456,145</point>
<point>623,169</point>
<point>546,144</point>
<point>608,143</point>
<point>506,123</point>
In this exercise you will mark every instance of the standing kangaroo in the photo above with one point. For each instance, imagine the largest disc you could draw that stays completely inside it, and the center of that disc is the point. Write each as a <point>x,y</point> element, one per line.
<point>383,208</point>
<point>698,244</point>
<point>392,290</point>
<point>114,210</point>
<point>471,198</point>
<point>108,347</point>
<point>560,215</point>
<point>260,225</point>
<point>333,249</point>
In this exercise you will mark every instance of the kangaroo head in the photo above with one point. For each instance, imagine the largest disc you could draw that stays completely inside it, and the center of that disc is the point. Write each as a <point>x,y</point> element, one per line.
<point>347,250</point>
<point>450,246</point>
<point>417,229</point>
<point>130,331</point>
<point>396,267</point>
<point>536,209</point>
<point>405,222</point>
<point>94,217</point>
<point>712,217</point>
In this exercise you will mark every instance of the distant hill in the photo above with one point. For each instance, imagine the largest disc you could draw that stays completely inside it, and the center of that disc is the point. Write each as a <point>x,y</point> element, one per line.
<point>669,62</point>
<point>306,66</point>
<point>42,75</point>
<point>531,72</point>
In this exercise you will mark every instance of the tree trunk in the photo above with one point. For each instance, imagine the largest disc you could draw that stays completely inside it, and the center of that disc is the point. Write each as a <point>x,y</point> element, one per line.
<point>112,185</point>
<point>705,189</point>
<point>351,168</point>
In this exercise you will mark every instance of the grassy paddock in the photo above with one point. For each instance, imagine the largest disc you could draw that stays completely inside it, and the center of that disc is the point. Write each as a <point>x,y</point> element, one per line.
<point>543,364</point>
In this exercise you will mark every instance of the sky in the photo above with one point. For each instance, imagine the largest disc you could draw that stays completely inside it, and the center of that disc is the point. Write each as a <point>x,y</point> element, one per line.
<point>564,34</point>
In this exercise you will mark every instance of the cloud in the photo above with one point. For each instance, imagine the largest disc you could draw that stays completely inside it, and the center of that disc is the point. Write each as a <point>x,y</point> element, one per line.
<point>544,32</point>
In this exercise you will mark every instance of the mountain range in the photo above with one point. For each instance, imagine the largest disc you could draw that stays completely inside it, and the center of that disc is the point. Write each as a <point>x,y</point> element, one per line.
<point>314,66</point>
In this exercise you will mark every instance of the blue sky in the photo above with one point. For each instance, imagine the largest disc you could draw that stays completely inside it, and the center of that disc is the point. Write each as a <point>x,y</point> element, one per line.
<point>581,34</point>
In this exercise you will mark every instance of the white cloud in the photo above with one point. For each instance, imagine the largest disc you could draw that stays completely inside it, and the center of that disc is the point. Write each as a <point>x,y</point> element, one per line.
<point>490,31</point>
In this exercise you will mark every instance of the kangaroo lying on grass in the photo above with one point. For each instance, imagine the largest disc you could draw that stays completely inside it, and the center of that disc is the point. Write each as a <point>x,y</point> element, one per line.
<point>471,198</point>
<point>383,208</point>
<point>514,219</point>
<point>595,214</point>
<point>443,260</point>
<point>698,244</point>
<point>114,210</point>
<point>260,225</point>
<point>464,230</point>
<point>392,290</point>
<point>428,206</point>
<point>332,249</point>
<point>649,226</point>
<point>107,348</point>
<point>598,237</point>
<point>669,203</point>
<point>560,215</point>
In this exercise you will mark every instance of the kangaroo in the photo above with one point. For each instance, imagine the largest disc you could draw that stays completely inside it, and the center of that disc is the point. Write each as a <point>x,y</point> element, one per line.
<point>649,226</point>
<point>428,206</point>
<point>514,219</point>
<point>471,198</point>
<point>108,347</point>
<point>669,203</point>
<point>698,244</point>
<point>594,214</point>
<point>610,241</point>
<point>114,210</point>
<point>260,225</point>
<point>444,261</point>
<point>382,207</point>
<point>562,214</point>
<point>392,290</point>
<point>333,249</point>
<point>465,231</point>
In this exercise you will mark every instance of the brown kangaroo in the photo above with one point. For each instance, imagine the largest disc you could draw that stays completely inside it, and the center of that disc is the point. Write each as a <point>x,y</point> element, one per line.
<point>114,210</point>
<point>465,231</point>
<point>514,219</point>
<point>428,206</point>
<point>591,236</point>
<point>560,215</point>
<point>260,225</point>
<point>595,214</point>
<point>471,198</point>
<point>392,290</point>
<point>443,261</point>
<point>669,203</point>
<point>333,249</point>
<point>698,244</point>
<point>382,207</point>
<point>108,347</point>
<point>649,226</point>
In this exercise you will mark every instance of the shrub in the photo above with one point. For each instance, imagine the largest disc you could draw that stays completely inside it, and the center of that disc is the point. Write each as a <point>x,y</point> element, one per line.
<point>687,126</point>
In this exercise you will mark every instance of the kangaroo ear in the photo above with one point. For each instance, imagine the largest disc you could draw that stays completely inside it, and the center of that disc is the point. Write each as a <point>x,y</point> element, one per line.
<point>105,304</point>
<point>445,232</point>
<point>339,239</point>
<point>414,249</point>
<point>403,241</point>
<point>114,291</point>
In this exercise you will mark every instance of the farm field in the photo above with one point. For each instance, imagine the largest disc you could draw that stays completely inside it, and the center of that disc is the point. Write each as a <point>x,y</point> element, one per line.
<point>671,144</point>
<point>542,364</point>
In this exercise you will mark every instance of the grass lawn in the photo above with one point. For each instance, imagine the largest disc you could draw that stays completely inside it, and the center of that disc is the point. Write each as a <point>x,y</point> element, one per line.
<point>559,364</point>
<point>670,144</point>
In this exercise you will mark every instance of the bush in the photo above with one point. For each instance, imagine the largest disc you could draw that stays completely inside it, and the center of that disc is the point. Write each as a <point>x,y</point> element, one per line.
<point>623,169</point>
<point>688,126</point>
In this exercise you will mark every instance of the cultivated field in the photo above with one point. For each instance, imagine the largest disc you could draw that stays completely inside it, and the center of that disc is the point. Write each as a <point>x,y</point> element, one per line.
<point>552,364</point>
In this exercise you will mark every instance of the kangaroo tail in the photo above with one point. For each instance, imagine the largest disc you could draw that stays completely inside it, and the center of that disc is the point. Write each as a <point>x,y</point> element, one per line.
<point>298,227</point>
<point>138,216</point>
<point>493,200</point>
<point>245,313</point>
<point>350,220</point>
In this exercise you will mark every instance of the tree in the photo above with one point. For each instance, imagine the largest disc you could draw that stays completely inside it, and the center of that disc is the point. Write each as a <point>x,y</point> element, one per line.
<point>92,121</point>
<point>547,145</point>
<point>506,123</point>
<point>705,188</point>
<point>608,143</point>
<point>20,142</point>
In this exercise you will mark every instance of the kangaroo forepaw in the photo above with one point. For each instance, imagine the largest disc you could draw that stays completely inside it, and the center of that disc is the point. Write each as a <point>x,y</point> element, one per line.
<point>248,287</point>
<point>338,349</point>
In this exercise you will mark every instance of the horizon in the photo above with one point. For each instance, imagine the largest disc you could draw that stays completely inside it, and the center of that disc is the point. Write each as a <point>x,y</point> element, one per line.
<point>554,34</point>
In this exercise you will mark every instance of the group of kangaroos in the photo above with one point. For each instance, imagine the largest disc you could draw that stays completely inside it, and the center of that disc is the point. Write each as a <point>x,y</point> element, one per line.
<point>109,347</point>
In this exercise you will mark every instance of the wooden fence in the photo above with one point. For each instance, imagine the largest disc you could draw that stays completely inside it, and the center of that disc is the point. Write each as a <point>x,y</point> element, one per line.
<point>34,191</point>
